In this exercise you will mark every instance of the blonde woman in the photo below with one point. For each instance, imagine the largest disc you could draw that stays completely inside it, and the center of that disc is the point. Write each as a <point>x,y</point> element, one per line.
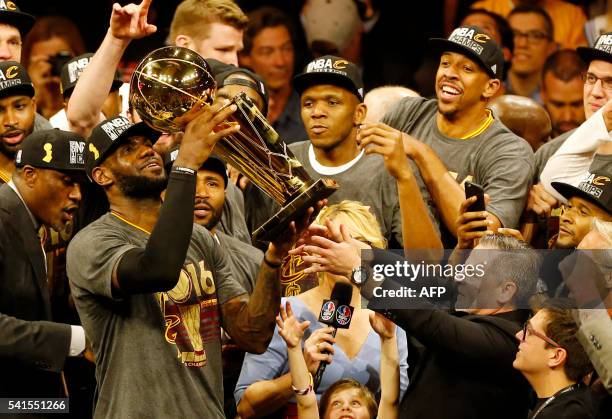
<point>264,385</point>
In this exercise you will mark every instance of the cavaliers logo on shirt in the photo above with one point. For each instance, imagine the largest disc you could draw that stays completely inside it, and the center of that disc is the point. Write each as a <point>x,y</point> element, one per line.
<point>191,314</point>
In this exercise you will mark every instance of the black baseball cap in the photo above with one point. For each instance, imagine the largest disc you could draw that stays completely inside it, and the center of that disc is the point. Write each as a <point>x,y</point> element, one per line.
<point>224,79</point>
<point>602,50</point>
<point>330,69</point>
<point>53,149</point>
<point>109,134</point>
<point>14,80</point>
<point>476,44</point>
<point>72,70</point>
<point>596,186</point>
<point>213,163</point>
<point>10,14</point>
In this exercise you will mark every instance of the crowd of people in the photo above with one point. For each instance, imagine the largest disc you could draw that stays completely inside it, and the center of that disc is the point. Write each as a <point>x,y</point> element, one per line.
<point>129,282</point>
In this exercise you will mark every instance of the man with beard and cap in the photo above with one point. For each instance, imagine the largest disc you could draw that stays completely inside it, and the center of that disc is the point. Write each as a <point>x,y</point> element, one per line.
<point>211,188</point>
<point>17,111</point>
<point>566,164</point>
<point>243,259</point>
<point>155,288</point>
<point>455,137</point>
<point>43,190</point>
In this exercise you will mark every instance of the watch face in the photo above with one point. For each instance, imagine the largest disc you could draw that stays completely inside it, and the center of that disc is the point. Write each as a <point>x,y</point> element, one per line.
<point>358,276</point>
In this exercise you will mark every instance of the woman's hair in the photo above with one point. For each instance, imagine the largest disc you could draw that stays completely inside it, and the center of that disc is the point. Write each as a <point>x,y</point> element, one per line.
<point>348,384</point>
<point>360,221</point>
<point>48,27</point>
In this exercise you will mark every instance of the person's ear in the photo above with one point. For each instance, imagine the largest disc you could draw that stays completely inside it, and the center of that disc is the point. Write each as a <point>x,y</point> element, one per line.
<point>557,358</point>
<point>360,113</point>
<point>30,176</point>
<point>183,41</point>
<point>506,292</point>
<point>102,176</point>
<point>491,88</point>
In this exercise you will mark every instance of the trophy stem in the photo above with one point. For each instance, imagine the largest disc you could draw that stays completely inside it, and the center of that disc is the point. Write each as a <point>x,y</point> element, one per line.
<point>294,210</point>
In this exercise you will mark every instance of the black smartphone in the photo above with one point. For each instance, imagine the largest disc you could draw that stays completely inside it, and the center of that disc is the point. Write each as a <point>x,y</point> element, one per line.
<point>473,189</point>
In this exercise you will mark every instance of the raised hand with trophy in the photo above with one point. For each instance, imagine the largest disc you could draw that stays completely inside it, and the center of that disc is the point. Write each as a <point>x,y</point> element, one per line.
<point>171,85</point>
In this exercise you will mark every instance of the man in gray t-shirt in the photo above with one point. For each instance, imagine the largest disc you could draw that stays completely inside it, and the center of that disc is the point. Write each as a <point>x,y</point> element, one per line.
<point>455,138</point>
<point>332,108</point>
<point>150,345</point>
<point>153,289</point>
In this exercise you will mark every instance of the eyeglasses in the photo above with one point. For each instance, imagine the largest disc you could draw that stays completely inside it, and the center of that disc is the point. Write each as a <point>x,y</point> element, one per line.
<point>533,37</point>
<point>528,329</point>
<point>591,79</point>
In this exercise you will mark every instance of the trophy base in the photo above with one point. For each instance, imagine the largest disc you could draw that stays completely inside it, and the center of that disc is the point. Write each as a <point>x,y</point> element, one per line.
<point>294,210</point>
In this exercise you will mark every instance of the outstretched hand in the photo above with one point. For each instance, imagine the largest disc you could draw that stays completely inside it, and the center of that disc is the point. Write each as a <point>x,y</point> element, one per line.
<point>289,327</point>
<point>338,253</point>
<point>384,327</point>
<point>280,247</point>
<point>130,21</point>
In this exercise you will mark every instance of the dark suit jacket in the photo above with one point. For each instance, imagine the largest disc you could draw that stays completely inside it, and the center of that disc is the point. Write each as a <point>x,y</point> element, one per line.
<point>32,348</point>
<point>461,366</point>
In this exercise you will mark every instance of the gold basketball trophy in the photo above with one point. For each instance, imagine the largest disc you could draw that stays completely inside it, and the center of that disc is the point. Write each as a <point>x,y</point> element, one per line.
<point>170,86</point>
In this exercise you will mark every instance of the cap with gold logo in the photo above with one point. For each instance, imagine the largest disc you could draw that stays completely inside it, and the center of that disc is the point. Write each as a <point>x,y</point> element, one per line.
<point>10,14</point>
<point>477,45</point>
<point>595,186</point>
<point>333,70</point>
<point>53,149</point>
<point>14,80</point>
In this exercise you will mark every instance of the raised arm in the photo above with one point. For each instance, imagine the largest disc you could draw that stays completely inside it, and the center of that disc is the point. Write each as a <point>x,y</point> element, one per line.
<point>126,23</point>
<point>292,332</point>
<point>418,230</point>
<point>157,267</point>
<point>389,366</point>
<point>444,189</point>
<point>250,320</point>
<point>263,394</point>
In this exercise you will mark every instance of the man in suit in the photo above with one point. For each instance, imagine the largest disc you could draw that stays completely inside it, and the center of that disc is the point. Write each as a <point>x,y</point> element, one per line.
<point>43,191</point>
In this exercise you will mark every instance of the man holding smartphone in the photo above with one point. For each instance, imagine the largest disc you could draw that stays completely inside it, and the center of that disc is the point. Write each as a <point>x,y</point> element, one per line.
<point>456,137</point>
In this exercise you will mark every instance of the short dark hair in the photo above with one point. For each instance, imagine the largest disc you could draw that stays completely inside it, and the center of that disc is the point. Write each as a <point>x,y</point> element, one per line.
<point>503,27</point>
<point>562,329</point>
<point>565,65</point>
<point>346,384</point>
<point>548,23</point>
<point>262,18</point>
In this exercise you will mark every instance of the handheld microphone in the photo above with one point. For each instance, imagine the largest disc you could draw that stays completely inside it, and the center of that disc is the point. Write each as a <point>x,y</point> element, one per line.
<point>335,312</point>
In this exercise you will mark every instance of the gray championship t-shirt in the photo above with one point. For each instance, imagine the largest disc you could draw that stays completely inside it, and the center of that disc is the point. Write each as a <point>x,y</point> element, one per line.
<point>497,159</point>
<point>547,151</point>
<point>366,181</point>
<point>233,220</point>
<point>157,355</point>
<point>243,259</point>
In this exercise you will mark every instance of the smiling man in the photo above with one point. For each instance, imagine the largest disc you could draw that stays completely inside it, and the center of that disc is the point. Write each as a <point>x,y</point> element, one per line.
<point>592,198</point>
<point>456,137</point>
